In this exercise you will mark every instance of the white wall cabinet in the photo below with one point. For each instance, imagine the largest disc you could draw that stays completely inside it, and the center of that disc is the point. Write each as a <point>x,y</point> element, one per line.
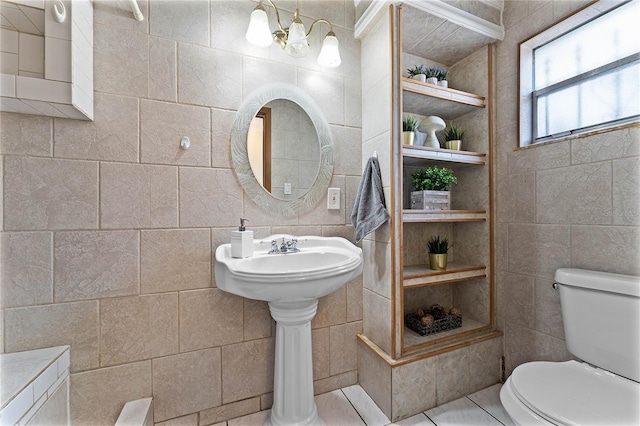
<point>64,87</point>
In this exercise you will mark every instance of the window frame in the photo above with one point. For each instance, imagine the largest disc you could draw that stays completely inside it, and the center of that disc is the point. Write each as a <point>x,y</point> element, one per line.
<point>528,97</point>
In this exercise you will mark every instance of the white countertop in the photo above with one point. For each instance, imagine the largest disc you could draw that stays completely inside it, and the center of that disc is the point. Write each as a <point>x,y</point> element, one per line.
<point>19,369</point>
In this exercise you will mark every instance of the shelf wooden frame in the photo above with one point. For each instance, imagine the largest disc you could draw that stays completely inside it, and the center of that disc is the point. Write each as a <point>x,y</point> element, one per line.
<point>418,155</point>
<point>414,342</point>
<point>415,97</point>
<point>431,350</point>
<point>421,275</point>
<point>427,216</point>
<point>427,99</point>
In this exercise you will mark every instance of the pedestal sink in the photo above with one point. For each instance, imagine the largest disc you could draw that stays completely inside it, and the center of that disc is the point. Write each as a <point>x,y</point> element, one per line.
<point>292,284</point>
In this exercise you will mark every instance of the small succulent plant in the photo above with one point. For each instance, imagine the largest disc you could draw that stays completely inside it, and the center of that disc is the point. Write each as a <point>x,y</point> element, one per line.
<point>409,124</point>
<point>438,245</point>
<point>418,69</point>
<point>453,133</point>
<point>432,72</point>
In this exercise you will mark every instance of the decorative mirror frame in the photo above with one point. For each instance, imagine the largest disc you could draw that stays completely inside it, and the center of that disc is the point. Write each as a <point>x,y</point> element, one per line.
<point>247,110</point>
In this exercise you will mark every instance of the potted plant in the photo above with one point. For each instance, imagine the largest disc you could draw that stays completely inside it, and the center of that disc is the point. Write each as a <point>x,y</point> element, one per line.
<point>409,126</point>
<point>432,188</point>
<point>442,77</point>
<point>453,137</point>
<point>418,73</point>
<point>438,248</point>
<point>432,75</point>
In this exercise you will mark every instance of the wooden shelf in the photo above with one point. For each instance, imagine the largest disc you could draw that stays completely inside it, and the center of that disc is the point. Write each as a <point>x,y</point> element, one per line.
<point>427,99</point>
<point>409,215</point>
<point>469,110</point>
<point>413,341</point>
<point>420,155</point>
<point>422,275</point>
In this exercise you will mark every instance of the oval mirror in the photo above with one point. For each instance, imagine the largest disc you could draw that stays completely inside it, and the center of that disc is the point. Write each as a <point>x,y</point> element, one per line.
<point>282,149</point>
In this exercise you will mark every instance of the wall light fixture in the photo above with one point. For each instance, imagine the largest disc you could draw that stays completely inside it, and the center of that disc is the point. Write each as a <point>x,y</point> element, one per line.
<point>293,39</point>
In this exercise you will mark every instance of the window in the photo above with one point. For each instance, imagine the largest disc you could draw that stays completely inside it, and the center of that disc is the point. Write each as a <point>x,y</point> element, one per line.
<point>581,74</point>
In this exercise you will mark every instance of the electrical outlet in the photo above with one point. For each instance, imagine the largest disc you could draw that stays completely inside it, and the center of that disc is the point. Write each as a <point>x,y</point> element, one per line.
<point>287,189</point>
<point>333,199</point>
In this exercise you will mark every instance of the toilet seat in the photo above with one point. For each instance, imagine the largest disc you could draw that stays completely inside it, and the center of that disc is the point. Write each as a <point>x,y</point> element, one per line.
<point>574,393</point>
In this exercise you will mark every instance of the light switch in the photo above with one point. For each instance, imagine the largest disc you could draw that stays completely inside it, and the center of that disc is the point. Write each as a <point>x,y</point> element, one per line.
<point>333,199</point>
<point>287,189</point>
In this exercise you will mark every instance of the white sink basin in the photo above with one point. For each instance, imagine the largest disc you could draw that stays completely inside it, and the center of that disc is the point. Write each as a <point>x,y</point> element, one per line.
<point>292,284</point>
<point>323,265</point>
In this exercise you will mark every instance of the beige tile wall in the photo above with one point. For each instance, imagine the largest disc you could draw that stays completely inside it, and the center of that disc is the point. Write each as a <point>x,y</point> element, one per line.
<point>376,127</point>
<point>402,390</point>
<point>572,203</point>
<point>110,228</point>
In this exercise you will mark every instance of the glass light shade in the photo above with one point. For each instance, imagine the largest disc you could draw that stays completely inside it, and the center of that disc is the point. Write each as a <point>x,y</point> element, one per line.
<point>297,45</point>
<point>258,32</point>
<point>330,53</point>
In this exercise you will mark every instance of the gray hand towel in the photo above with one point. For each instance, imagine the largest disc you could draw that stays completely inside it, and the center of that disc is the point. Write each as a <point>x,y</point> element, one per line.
<point>369,210</point>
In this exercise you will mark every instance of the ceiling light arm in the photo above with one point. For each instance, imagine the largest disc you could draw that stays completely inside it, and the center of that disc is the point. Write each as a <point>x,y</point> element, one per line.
<point>318,21</point>
<point>277,13</point>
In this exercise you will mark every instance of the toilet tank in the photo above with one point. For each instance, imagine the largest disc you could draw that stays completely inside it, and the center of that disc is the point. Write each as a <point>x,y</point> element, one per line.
<point>601,317</point>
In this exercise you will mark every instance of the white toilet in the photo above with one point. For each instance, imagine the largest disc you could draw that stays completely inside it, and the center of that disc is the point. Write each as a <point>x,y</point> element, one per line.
<point>601,316</point>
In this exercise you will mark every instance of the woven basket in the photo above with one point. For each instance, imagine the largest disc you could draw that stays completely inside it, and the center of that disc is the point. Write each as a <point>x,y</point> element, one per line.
<point>447,323</point>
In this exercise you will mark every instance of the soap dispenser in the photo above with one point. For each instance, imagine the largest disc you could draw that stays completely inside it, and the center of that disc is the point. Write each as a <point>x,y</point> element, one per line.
<point>242,241</point>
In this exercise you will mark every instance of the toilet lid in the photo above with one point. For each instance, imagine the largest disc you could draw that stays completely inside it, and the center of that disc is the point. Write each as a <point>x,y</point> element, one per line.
<point>574,393</point>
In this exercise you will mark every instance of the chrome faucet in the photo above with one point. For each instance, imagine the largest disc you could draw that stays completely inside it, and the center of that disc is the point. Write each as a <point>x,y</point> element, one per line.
<point>290,246</point>
<point>283,246</point>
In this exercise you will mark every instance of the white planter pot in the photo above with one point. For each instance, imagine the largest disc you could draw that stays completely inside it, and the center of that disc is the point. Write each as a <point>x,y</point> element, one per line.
<point>432,80</point>
<point>431,200</point>
<point>420,77</point>
<point>443,83</point>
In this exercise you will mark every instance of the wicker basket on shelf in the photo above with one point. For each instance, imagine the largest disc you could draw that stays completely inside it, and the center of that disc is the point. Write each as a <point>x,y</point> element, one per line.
<point>449,322</point>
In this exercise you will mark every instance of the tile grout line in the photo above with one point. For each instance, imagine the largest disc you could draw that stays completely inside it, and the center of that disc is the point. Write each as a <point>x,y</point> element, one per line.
<point>354,407</point>
<point>483,409</point>
<point>429,418</point>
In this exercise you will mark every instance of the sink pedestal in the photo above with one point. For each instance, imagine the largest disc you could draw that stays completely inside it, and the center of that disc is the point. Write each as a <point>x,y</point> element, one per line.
<point>292,284</point>
<point>293,401</point>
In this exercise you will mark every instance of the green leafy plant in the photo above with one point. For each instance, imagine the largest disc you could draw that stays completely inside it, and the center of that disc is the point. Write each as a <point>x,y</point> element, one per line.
<point>409,124</point>
<point>442,74</point>
<point>453,133</point>
<point>438,245</point>
<point>433,179</point>
<point>432,72</point>
<point>418,69</point>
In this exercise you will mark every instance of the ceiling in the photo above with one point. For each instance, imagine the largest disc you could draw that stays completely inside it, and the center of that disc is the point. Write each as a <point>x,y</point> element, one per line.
<point>430,37</point>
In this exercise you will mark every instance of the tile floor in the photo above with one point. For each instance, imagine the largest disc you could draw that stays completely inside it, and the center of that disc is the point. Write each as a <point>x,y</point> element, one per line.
<point>352,406</point>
